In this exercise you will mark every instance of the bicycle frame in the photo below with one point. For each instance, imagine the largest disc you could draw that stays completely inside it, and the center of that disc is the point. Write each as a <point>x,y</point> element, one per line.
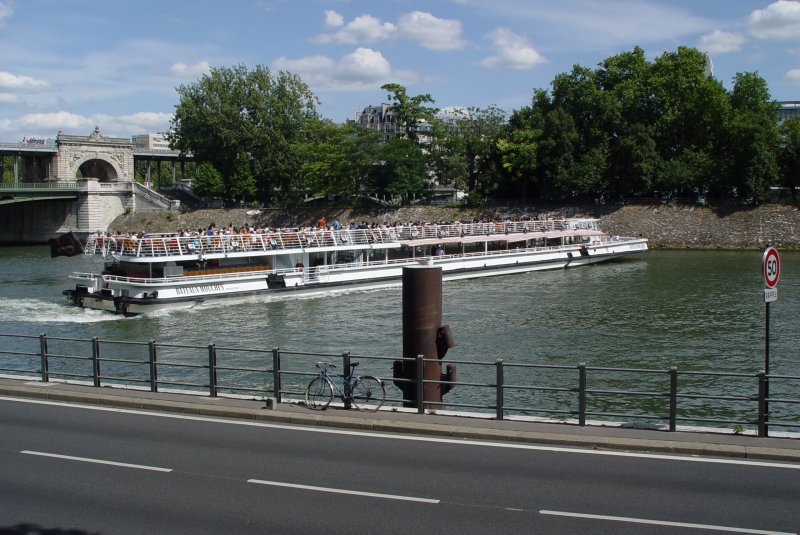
<point>365,392</point>
<point>345,393</point>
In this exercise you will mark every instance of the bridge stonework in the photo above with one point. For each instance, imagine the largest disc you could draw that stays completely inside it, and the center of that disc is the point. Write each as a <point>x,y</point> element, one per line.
<point>81,186</point>
<point>108,159</point>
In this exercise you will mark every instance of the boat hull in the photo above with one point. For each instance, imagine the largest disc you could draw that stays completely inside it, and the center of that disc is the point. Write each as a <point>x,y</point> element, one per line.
<point>140,296</point>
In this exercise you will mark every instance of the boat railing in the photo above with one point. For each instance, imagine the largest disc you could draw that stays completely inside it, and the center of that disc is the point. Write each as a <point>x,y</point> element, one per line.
<point>488,228</point>
<point>160,245</point>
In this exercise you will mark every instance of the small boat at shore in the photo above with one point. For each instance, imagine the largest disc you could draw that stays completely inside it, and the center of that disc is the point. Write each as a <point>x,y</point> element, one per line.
<point>155,271</point>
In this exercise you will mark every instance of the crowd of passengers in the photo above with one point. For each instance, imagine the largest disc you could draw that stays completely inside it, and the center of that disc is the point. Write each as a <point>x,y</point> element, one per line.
<point>323,233</point>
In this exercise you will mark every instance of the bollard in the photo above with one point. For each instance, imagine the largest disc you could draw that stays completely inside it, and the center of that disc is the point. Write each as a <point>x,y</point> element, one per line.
<point>212,370</point>
<point>425,336</point>
<point>96,361</point>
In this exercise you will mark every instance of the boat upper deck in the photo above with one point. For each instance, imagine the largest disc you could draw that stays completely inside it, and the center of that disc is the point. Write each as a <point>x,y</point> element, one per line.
<point>162,247</point>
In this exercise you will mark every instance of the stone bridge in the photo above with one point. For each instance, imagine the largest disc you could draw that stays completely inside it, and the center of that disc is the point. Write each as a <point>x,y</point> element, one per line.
<point>77,183</point>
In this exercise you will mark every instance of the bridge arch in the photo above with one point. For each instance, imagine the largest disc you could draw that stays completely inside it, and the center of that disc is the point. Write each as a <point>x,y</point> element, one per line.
<point>107,159</point>
<point>100,168</point>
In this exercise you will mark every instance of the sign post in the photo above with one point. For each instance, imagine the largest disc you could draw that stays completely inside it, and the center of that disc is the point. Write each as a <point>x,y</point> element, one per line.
<point>771,269</point>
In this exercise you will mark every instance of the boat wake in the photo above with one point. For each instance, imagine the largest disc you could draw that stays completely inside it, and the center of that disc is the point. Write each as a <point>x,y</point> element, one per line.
<point>38,311</point>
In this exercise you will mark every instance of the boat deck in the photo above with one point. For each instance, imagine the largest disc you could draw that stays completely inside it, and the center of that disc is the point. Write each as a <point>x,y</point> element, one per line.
<point>158,246</point>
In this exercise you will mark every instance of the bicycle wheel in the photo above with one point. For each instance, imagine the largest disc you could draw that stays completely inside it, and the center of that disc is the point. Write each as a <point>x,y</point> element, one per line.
<point>368,393</point>
<point>319,394</point>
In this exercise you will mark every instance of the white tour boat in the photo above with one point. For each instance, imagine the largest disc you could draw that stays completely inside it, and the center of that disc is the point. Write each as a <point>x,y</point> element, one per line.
<point>143,274</point>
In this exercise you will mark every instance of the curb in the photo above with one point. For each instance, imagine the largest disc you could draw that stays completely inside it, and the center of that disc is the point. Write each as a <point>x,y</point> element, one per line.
<point>705,444</point>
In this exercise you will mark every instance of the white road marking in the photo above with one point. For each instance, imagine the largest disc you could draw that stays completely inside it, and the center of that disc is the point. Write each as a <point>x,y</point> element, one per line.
<point>343,491</point>
<point>417,438</point>
<point>96,461</point>
<point>665,523</point>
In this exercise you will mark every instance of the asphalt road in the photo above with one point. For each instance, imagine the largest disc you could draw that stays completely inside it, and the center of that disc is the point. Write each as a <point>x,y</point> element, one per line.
<point>80,470</point>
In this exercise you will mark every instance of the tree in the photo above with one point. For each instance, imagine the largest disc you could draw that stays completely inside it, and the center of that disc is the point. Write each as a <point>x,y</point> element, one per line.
<point>207,181</point>
<point>518,153</point>
<point>409,111</point>
<point>752,138</point>
<point>446,154</point>
<point>478,130</point>
<point>337,158</point>
<point>402,171</point>
<point>557,155</point>
<point>243,123</point>
<point>691,109</point>
<point>789,156</point>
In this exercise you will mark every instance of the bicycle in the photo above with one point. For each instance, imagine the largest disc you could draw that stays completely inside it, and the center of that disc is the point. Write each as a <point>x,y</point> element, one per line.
<point>364,392</point>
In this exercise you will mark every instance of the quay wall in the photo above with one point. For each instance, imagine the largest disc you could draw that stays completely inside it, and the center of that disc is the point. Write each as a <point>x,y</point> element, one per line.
<point>666,226</point>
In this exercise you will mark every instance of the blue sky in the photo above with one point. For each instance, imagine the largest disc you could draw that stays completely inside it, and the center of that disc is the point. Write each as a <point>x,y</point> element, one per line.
<point>73,65</point>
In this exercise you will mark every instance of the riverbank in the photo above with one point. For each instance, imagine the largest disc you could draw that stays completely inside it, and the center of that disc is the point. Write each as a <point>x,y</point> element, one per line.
<point>666,226</point>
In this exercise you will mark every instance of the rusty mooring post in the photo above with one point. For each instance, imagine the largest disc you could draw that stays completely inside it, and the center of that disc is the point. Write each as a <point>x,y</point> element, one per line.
<point>423,334</point>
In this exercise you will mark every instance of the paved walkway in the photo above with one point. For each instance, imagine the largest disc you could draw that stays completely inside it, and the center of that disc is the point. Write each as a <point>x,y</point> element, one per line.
<point>397,421</point>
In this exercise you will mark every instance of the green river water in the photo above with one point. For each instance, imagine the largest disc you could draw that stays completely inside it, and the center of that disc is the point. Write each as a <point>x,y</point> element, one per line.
<point>696,310</point>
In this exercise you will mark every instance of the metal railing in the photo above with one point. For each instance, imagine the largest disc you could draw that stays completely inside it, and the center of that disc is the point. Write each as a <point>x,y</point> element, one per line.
<point>57,185</point>
<point>649,398</point>
<point>162,244</point>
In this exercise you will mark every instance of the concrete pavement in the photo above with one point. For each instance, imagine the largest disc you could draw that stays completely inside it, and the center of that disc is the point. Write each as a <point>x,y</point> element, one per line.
<point>397,421</point>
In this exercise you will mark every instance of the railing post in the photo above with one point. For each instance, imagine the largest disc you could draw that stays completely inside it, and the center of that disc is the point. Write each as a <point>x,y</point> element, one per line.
<point>151,345</point>
<point>348,391</point>
<point>499,389</point>
<point>212,370</point>
<point>276,374</point>
<point>43,354</point>
<point>763,428</point>
<point>582,394</point>
<point>96,361</point>
<point>420,383</point>
<point>673,397</point>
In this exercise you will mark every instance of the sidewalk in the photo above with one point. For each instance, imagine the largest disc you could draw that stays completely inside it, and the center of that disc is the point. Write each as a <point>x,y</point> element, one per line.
<point>397,421</point>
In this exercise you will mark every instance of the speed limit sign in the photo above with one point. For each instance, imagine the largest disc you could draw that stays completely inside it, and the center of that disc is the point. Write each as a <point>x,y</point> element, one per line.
<point>771,265</point>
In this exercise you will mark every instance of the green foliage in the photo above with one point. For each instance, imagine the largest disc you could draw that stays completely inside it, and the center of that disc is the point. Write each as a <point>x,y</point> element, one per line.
<point>789,156</point>
<point>409,111</point>
<point>336,159</point>
<point>402,170</point>
<point>244,123</point>
<point>207,181</point>
<point>752,139</point>
<point>626,128</point>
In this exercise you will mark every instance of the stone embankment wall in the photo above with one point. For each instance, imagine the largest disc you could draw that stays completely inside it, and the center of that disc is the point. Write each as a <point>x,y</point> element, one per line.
<point>667,226</point>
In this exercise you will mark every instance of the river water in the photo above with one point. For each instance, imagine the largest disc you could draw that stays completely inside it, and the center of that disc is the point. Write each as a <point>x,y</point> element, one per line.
<point>697,310</point>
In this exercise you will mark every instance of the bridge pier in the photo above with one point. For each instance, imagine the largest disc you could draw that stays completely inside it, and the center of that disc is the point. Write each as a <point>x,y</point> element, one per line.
<point>52,191</point>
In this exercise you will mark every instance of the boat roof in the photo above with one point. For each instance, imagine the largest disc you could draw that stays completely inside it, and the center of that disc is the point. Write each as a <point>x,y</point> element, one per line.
<point>164,247</point>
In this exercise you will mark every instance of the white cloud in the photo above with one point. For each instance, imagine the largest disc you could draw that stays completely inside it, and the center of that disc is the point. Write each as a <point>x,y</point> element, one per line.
<point>431,32</point>
<point>363,68</point>
<point>182,69</point>
<point>607,24</point>
<point>793,77</point>
<point>5,13</point>
<point>779,20</point>
<point>122,125</point>
<point>719,42</point>
<point>60,120</point>
<point>362,29</point>
<point>333,19</point>
<point>8,98</point>
<point>512,51</point>
<point>17,82</point>
<point>363,64</point>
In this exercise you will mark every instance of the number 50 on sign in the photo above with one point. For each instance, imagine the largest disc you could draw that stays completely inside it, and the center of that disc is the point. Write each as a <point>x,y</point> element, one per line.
<point>771,266</point>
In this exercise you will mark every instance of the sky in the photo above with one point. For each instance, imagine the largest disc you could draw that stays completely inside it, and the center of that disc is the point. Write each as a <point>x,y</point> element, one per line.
<point>72,65</point>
